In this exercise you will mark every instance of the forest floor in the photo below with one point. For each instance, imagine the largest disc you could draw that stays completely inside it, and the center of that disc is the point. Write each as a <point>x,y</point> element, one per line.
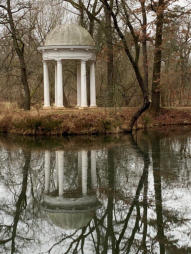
<point>87,121</point>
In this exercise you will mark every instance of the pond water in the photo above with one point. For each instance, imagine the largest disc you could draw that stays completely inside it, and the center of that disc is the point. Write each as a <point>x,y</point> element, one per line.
<point>114,194</point>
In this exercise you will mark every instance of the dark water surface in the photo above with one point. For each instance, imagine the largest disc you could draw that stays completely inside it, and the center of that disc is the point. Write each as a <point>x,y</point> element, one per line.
<point>99,195</point>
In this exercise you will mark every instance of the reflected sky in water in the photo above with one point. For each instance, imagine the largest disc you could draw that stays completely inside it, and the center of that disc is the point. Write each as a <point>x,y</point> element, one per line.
<point>102,195</point>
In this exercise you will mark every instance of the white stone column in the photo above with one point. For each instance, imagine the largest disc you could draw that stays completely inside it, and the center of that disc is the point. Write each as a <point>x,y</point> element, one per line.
<point>46,85</point>
<point>84,172</point>
<point>55,85</point>
<point>92,85</point>
<point>93,170</point>
<point>47,170</point>
<point>83,85</point>
<point>59,84</point>
<point>78,85</point>
<point>60,156</point>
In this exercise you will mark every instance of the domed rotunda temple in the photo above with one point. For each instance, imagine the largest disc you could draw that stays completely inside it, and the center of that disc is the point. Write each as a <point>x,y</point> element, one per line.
<point>71,42</point>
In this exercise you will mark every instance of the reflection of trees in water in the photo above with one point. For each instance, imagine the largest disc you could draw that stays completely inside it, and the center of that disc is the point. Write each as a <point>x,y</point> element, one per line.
<point>110,228</point>
<point>123,223</point>
<point>22,200</point>
<point>156,157</point>
<point>71,174</point>
<point>176,158</point>
<point>21,203</point>
<point>20,206</point>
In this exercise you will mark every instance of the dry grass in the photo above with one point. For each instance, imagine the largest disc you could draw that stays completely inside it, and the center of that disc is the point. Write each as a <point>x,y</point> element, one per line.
<point>75,121</point>
<point>6,107</point>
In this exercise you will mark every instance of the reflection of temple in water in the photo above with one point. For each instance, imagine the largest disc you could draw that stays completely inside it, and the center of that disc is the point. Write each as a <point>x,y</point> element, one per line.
<point>69,197</point>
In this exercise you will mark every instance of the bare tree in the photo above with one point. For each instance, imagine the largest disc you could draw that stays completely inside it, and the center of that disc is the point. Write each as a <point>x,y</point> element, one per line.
<point>10,15</point>
<point>133,58</point>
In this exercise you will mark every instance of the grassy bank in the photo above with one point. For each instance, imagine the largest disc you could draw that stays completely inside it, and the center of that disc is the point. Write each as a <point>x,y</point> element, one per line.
<point>90,121</point>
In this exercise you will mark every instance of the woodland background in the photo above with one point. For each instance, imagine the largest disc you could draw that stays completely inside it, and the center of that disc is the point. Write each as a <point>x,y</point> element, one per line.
<point>25,24</point>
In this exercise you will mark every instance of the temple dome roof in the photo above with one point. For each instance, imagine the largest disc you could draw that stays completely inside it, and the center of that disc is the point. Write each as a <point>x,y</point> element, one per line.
<point>69,35</point>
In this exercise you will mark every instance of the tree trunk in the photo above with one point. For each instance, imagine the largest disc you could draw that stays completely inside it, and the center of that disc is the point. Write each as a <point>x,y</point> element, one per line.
<point>19,48</point>
<point>109,52</point>
<point>27,99</point>
<point>155,105</point>
<point>65,100</point>
<point>144,44</point>
<point>82,23</point>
